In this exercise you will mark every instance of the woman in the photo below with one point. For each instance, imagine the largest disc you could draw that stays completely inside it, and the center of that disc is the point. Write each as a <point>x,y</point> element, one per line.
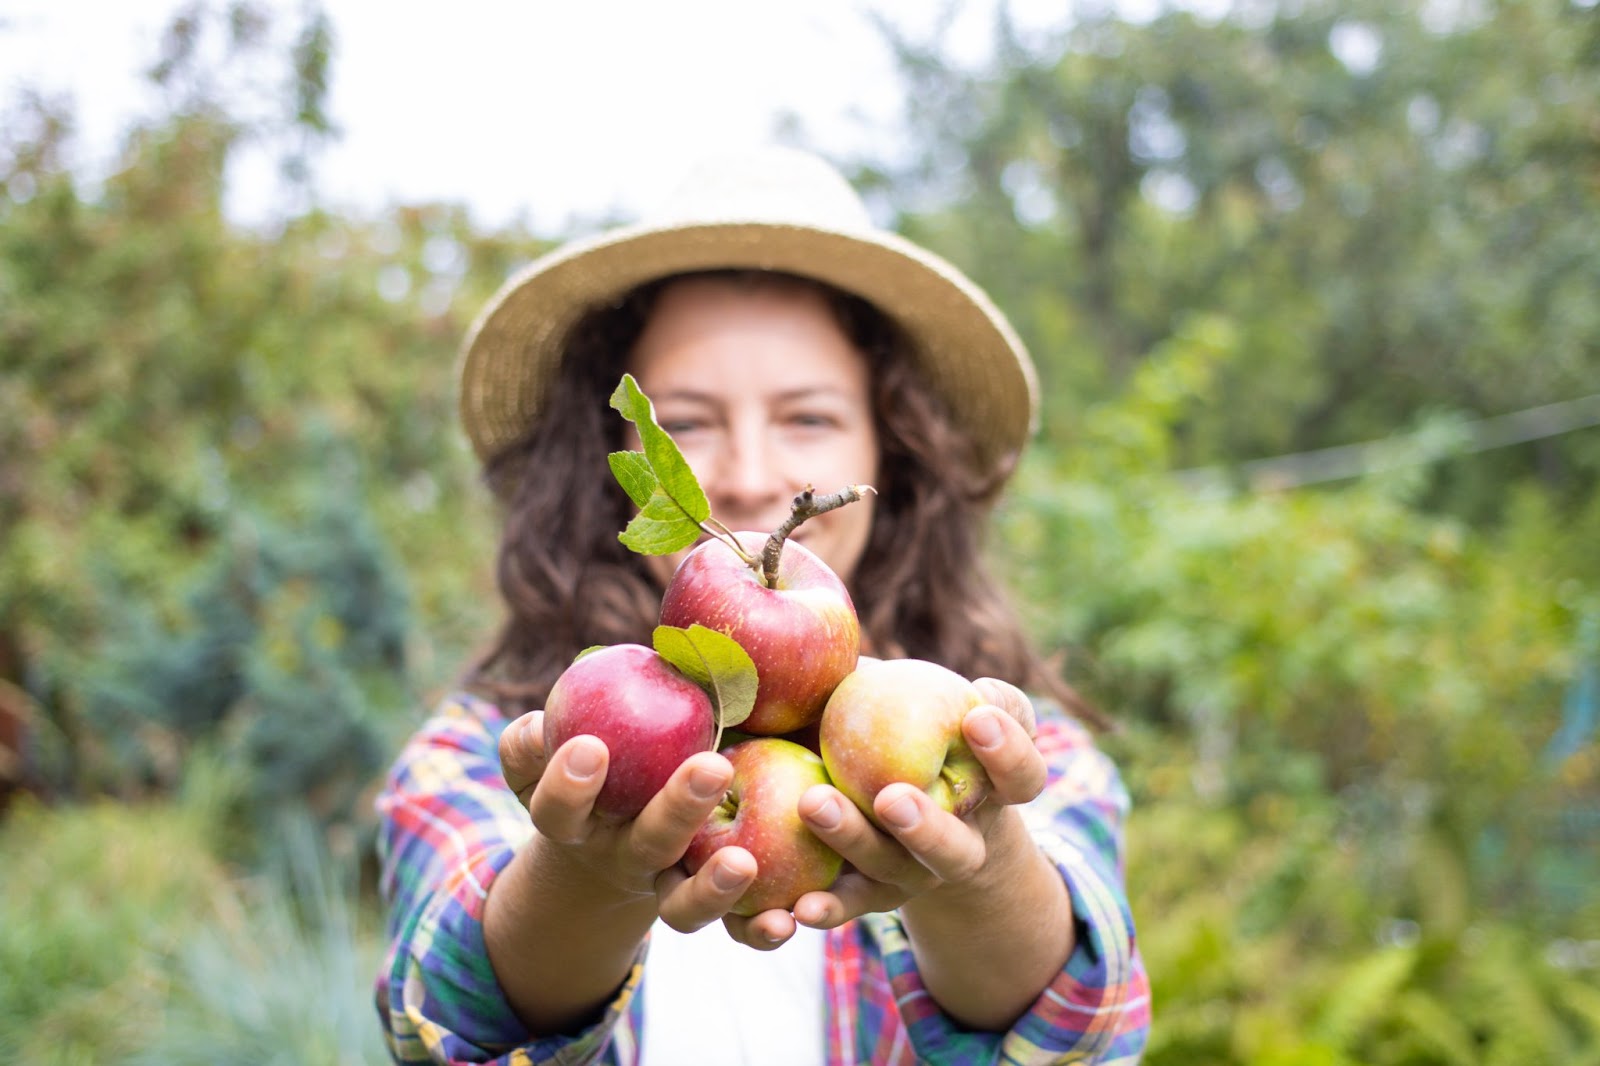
<point>785,341</point>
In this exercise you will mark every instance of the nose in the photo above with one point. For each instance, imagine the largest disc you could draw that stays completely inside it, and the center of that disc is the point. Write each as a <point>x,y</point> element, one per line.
<point>748,483</point>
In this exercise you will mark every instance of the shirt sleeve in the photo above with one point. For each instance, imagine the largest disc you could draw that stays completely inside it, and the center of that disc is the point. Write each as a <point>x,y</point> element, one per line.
<point>447,826</point>
<point>1097,1010</point>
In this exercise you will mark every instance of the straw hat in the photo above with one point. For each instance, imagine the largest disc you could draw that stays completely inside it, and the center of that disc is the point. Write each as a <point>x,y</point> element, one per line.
<point>770,209</point>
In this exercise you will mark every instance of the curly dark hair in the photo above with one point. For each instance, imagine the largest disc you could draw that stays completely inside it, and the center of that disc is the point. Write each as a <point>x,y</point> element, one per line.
<point>569,584</point>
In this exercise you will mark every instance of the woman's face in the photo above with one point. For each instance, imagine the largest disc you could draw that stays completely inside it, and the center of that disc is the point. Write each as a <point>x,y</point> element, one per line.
<point>765,394</point>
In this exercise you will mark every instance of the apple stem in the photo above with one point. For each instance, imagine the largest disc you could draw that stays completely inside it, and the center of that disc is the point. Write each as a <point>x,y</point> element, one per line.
<point>724,534</point>
<point>806,505</point>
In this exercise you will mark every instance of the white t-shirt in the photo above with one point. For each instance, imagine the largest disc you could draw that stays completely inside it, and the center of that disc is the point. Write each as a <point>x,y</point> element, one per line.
<point>709,1001</point>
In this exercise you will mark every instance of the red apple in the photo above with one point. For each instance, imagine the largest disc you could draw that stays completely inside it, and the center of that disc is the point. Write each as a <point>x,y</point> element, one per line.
<point>761,814</point>
<point>900,720</point>
<point>802,635</point>
<point>649,715</point>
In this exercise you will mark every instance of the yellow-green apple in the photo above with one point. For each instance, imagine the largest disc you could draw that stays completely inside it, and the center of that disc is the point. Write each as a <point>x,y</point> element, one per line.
<point>649,715</point>
<point>802,634</point>
<point>900,720</point>
<point>761,814</point>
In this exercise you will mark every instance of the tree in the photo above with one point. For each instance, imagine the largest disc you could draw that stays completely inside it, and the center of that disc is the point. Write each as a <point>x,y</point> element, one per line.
<point>1391,203</point>
<point>167,374</point>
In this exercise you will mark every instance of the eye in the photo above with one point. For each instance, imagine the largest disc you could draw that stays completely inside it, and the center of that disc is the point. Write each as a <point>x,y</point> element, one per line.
<point>813,420</point>
<point>678,427</point>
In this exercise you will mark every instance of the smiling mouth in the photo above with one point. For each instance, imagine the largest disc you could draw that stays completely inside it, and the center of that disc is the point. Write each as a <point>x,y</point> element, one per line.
<point>799,536</point>
<point>802,533</point>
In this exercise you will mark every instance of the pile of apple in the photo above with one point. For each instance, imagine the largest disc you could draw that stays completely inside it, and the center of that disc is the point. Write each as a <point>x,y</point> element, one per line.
<point>757,633</point>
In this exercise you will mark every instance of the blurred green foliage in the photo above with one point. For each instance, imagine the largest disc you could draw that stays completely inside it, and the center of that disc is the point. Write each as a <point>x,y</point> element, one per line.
<point>227,457</point>
<point>1348,845</point>
<point>288,657</point>
<point>123,938</point>
<point>1388,203</point>
<point>91,899</point>
<point>242,546</point>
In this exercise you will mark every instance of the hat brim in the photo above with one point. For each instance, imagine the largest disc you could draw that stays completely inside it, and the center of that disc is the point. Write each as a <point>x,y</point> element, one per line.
<point>967,349</point>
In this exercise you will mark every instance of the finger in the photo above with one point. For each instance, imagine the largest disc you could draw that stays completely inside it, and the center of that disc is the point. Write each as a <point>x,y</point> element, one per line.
<point>1010,699</point>
<point>1016,769</point>
<point>661,833</point>
<point>838,823</point>
<point>851,896</point>
<point>951,849</point>
<point>522,756</point>
<point>564,798</point>
<point>764,931</point>
<point>688,903</point>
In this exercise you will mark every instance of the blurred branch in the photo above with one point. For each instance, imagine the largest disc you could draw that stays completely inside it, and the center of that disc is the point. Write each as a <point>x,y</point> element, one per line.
<point>1389,453</point>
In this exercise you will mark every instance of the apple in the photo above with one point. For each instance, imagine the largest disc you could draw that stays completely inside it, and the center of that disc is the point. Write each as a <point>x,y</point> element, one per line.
<point>802,634</point>
<point>900,720</point>
<point>650,716</point>
<point>808,737</point>
<point>761,814</point>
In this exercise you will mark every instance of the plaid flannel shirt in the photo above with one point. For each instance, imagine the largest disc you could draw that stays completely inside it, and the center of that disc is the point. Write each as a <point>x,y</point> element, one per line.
<point>449,825</point>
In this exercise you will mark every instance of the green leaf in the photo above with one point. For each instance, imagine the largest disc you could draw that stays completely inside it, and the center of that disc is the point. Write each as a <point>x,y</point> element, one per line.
<point>671,469</point>
<point>590,650</point>
<point>660,528</point>
<point>716,663</point>
<point>633,473</point>
<point>1435,1024</point>
<point>1364,992</point>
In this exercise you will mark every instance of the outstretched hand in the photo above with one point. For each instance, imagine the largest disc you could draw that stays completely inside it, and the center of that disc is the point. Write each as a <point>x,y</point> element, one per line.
<point>924,848</point>
<point>921,849</point>
<point>635,858</point>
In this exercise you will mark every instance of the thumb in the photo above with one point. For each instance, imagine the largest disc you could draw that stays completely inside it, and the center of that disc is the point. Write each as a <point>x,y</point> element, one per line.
<point>522,754</point>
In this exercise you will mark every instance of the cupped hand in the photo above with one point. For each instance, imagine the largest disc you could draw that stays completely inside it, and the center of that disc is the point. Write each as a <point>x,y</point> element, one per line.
<point>920,848</point>
<point>635,858</point>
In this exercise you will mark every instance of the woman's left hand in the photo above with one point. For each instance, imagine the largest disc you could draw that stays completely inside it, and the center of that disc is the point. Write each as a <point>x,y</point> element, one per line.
<point>924,848</point>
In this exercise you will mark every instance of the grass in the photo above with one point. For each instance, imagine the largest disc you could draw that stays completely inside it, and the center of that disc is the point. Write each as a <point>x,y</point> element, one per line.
<point>123,939</point>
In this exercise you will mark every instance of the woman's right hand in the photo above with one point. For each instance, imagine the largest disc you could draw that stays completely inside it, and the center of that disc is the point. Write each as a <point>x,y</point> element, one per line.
<point>636,858</point>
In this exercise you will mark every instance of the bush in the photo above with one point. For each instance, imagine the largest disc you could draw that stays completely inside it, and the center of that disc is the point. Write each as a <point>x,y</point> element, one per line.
<point>1409,665</point>
<point>1272,937</point>
<point>285,659</point>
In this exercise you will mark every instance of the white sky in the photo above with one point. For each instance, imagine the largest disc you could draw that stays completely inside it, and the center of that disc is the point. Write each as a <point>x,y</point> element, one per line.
<point>550,110</point>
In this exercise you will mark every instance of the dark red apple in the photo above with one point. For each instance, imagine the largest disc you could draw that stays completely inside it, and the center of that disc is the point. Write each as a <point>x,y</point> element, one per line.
<point>900,720</point>
<point>809,737</point>
<point>761,814</point>
<point>649,715</point>
<point>802,635</point>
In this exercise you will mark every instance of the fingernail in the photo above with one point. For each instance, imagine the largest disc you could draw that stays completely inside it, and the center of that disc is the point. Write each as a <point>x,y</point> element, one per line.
<point>813,915</point>
<point>726,878</point>
<point>902,813</point>
<point>984,729</point>
<point>706,784</point>
<point>583,761</point>
<point>828,815</point>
